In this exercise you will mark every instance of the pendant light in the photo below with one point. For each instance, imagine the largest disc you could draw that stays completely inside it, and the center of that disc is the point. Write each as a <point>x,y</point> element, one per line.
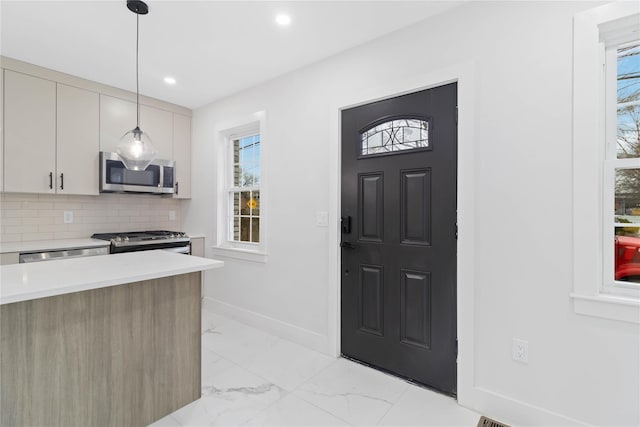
<point>135,148</point>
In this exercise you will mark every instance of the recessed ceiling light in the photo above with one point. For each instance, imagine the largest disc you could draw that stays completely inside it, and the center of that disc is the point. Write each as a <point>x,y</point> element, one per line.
<point>283,20</point>
<point>170,80</point>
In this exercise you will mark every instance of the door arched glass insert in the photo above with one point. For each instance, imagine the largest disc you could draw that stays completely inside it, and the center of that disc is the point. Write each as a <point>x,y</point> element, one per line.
<point>399,134</point>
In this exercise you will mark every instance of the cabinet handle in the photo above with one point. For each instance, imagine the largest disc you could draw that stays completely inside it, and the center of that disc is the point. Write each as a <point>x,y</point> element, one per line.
<point>177,188</point>
<point>62,181</point>
<point>51,180</point>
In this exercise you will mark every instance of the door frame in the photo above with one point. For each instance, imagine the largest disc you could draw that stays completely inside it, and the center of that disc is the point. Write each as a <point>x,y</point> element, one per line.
<point>464,75</point>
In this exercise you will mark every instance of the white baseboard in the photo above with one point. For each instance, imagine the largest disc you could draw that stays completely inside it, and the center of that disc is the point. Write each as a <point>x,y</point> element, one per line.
<point>515,412</point>
<point>296,334</point>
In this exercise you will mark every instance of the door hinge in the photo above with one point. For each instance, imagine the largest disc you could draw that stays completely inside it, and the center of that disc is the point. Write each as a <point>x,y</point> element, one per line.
<point>456,231</point>
<point>456,348</point>
<point>456,114</point>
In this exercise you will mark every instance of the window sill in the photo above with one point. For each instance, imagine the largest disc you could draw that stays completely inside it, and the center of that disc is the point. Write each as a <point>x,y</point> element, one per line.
<point>239,253</point>
<point>612,307</point>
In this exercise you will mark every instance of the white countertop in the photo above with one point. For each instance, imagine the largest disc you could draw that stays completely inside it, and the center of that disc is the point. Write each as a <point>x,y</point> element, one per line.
<point>23,282</point>
<point>50,245</point>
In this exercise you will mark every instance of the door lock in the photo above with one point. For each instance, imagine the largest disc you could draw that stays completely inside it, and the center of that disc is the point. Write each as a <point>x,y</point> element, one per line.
<point>346,224</point>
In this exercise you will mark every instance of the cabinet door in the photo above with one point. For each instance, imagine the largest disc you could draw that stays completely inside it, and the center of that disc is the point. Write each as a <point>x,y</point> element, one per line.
<point>78,144</point>
<point>29,133</point>
<point>159,127</point>
<point>117,117</point>
<point>182,155</point>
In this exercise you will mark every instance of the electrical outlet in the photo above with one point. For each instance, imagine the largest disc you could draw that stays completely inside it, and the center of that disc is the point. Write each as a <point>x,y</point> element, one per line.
<point>520,351</point>
<point>68,217</point>
<point>172,215</point>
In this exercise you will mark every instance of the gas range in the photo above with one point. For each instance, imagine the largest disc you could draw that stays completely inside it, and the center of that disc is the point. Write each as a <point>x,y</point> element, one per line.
<point>133,241</point>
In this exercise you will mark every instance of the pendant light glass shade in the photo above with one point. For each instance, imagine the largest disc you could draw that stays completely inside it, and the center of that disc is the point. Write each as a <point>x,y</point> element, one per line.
<point>136,150</point>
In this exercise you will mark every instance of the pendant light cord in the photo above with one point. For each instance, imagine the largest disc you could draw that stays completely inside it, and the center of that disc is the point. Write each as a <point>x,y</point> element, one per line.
<point>137,74</point>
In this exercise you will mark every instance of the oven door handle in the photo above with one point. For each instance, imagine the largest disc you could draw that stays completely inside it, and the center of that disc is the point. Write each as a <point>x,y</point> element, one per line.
<point>181,250</point>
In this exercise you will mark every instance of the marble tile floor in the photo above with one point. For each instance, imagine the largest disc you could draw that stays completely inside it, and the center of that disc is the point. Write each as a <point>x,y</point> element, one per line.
<point>251,378</point>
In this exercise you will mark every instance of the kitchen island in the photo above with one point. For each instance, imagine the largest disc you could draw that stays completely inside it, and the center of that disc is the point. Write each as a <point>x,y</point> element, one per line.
<point>98,341</point>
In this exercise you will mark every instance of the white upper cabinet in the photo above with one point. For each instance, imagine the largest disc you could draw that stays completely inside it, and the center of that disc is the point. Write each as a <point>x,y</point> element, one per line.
<point>51,137</point>
<point>117,117</point>
<point>78,145</point>
<point>29,134</point>
<point>159,128</point>
<point>182,155</point>
<point>53,127</point>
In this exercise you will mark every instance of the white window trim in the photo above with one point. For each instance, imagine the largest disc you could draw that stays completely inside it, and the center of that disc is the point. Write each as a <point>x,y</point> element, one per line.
<point>247,251</point>
<point>611,164</point>
<point>591,296</point>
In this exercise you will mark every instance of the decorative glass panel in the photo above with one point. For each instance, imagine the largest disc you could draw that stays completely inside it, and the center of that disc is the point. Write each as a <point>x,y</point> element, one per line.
<point>395,135</point>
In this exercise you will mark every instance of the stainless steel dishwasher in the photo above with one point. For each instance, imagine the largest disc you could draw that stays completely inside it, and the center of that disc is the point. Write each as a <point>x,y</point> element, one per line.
<point>39,256</point>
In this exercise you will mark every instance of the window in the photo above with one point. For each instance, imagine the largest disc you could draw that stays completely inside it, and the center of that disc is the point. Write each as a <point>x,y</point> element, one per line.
<point>606,162</point>
<point>241,194</point>
<point>622,167</point>
<point>244,191</point>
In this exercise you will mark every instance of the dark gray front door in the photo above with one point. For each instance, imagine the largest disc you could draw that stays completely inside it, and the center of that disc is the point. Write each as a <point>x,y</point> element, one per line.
<point>399,235</point>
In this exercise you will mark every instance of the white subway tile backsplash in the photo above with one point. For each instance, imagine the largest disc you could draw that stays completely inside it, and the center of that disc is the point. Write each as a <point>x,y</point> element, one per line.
<point>11,205</point>
<point>67,235</point>
<point>16,221</point>
<point>93,219</point>
<point>26,237</point>
<point>35,220</point>
<point>46,228</point>
<point>37,205</point>
<point>14,229</point>
<point>11,237</point>
<point>26,217</point>
<point>19,213</point>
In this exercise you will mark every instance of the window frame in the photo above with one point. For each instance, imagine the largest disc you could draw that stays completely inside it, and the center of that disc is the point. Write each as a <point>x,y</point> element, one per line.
<point>253,124</point>
<point>595,293</point>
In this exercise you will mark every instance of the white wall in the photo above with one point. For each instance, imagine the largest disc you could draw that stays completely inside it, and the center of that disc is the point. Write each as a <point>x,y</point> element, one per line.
<point>581,369</point>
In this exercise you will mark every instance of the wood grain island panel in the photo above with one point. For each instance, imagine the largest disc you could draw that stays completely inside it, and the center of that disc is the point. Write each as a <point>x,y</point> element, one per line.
<point>120,356</point>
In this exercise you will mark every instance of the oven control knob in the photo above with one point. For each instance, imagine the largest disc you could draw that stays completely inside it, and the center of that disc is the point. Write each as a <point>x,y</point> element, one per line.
<point>118,239</point>
<point>126,238</point>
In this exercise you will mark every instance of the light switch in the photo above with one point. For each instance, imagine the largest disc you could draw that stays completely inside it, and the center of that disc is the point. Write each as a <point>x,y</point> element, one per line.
<point>322,219</point>
<point>172,215</point>
<point>68,217</point>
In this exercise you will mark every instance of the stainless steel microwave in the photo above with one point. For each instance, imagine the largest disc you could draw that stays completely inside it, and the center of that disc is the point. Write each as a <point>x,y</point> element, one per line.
<point>157,178</point>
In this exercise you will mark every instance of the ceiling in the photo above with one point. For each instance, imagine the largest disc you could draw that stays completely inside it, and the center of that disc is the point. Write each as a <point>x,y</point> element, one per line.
<point>212,48</point>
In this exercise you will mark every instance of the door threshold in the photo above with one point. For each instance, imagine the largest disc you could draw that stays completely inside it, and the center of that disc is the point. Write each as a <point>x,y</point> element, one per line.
<point>402,377</point>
